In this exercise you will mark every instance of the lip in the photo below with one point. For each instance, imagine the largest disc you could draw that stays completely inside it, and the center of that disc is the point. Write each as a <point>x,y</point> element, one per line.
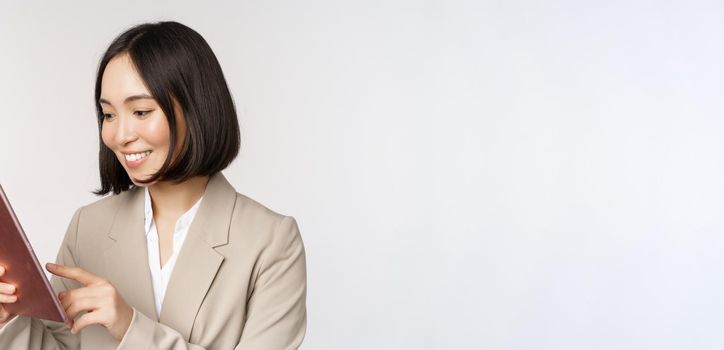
<point>134,152</point>
<point>135,163</point>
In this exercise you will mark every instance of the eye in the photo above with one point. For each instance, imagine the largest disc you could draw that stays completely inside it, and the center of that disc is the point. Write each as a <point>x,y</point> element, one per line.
<point>142,113</point>
<point>107,116</point>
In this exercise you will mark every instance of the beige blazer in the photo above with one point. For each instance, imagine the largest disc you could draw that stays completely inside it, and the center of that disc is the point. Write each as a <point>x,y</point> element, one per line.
<point>239,281</point>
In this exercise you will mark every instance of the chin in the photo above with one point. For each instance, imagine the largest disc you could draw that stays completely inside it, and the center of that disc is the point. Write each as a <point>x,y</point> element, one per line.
<point>135,181</point>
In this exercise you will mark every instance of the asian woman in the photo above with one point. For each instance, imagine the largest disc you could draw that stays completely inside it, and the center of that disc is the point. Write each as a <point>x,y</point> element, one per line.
<point>174,258</point>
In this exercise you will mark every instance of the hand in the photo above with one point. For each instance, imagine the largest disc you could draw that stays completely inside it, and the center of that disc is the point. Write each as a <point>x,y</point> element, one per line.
<point>7,296</point>
<point>99,297</point>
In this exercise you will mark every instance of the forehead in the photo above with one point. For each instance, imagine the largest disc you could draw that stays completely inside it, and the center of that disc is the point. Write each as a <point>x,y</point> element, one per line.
<point>120,79</point>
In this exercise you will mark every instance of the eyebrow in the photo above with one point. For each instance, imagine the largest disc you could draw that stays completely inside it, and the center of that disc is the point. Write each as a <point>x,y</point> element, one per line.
<point>128,99</point>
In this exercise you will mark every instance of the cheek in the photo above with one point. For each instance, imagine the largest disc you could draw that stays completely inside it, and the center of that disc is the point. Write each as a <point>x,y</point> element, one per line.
<point>107,136</point>
<point>155,132</point>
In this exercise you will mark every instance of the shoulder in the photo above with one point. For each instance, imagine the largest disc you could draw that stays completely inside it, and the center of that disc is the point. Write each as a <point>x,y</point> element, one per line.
<point>255,223</point>
<point>253,209</point>
<point>99,214</point>
<point>106,205</point>
<point>250,212</point>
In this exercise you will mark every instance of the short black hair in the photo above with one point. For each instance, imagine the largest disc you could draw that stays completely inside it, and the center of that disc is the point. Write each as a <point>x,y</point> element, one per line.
<point>176,65</point>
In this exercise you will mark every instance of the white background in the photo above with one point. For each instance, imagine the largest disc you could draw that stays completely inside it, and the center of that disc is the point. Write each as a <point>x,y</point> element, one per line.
<point>465,174</point>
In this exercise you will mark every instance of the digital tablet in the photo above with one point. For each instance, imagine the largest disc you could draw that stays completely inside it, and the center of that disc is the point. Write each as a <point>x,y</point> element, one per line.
<point>36,297</point>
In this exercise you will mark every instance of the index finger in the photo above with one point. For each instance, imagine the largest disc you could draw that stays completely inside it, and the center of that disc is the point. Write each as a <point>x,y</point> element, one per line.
<point>75,273</point>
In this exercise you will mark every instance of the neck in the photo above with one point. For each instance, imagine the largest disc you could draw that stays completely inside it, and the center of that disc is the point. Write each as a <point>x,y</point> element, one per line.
<point>172,200</point>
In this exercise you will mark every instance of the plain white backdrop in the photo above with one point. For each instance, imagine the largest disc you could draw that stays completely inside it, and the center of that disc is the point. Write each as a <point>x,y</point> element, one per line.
<point>465,174</point>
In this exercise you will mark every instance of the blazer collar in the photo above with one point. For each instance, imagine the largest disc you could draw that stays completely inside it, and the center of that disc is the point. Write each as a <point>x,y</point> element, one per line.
<point>126,255</point>
<point>219,199</point>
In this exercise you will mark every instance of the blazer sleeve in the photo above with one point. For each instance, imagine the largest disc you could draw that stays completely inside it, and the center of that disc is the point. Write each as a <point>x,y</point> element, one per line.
<point>276,311</point>
<point>29,333</point>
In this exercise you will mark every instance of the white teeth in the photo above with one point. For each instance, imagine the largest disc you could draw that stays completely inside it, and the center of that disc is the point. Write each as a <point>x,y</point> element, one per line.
<point>136,156</point>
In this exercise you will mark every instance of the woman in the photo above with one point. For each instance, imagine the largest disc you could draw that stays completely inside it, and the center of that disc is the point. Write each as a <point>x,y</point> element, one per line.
<point>175,258</point>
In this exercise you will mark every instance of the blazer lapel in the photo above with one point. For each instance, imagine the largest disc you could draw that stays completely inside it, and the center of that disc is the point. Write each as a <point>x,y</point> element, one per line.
<point>126,254</point>
<point>198,261</point>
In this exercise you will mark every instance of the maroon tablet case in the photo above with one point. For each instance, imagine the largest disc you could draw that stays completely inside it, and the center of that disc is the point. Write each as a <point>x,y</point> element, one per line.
<point>36,297</point>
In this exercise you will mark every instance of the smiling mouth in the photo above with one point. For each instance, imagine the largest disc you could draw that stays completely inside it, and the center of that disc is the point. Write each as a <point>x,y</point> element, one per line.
<point>136,156</point>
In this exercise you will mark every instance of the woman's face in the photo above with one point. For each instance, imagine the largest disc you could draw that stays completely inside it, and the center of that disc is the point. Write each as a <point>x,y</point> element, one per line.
<point>134,126</point>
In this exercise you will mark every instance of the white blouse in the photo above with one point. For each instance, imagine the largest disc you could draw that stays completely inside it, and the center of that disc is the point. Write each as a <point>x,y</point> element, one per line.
<point>160,276</point>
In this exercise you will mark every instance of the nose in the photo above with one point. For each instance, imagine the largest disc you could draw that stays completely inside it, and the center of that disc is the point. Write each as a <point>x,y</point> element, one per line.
<point>125,132</point>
